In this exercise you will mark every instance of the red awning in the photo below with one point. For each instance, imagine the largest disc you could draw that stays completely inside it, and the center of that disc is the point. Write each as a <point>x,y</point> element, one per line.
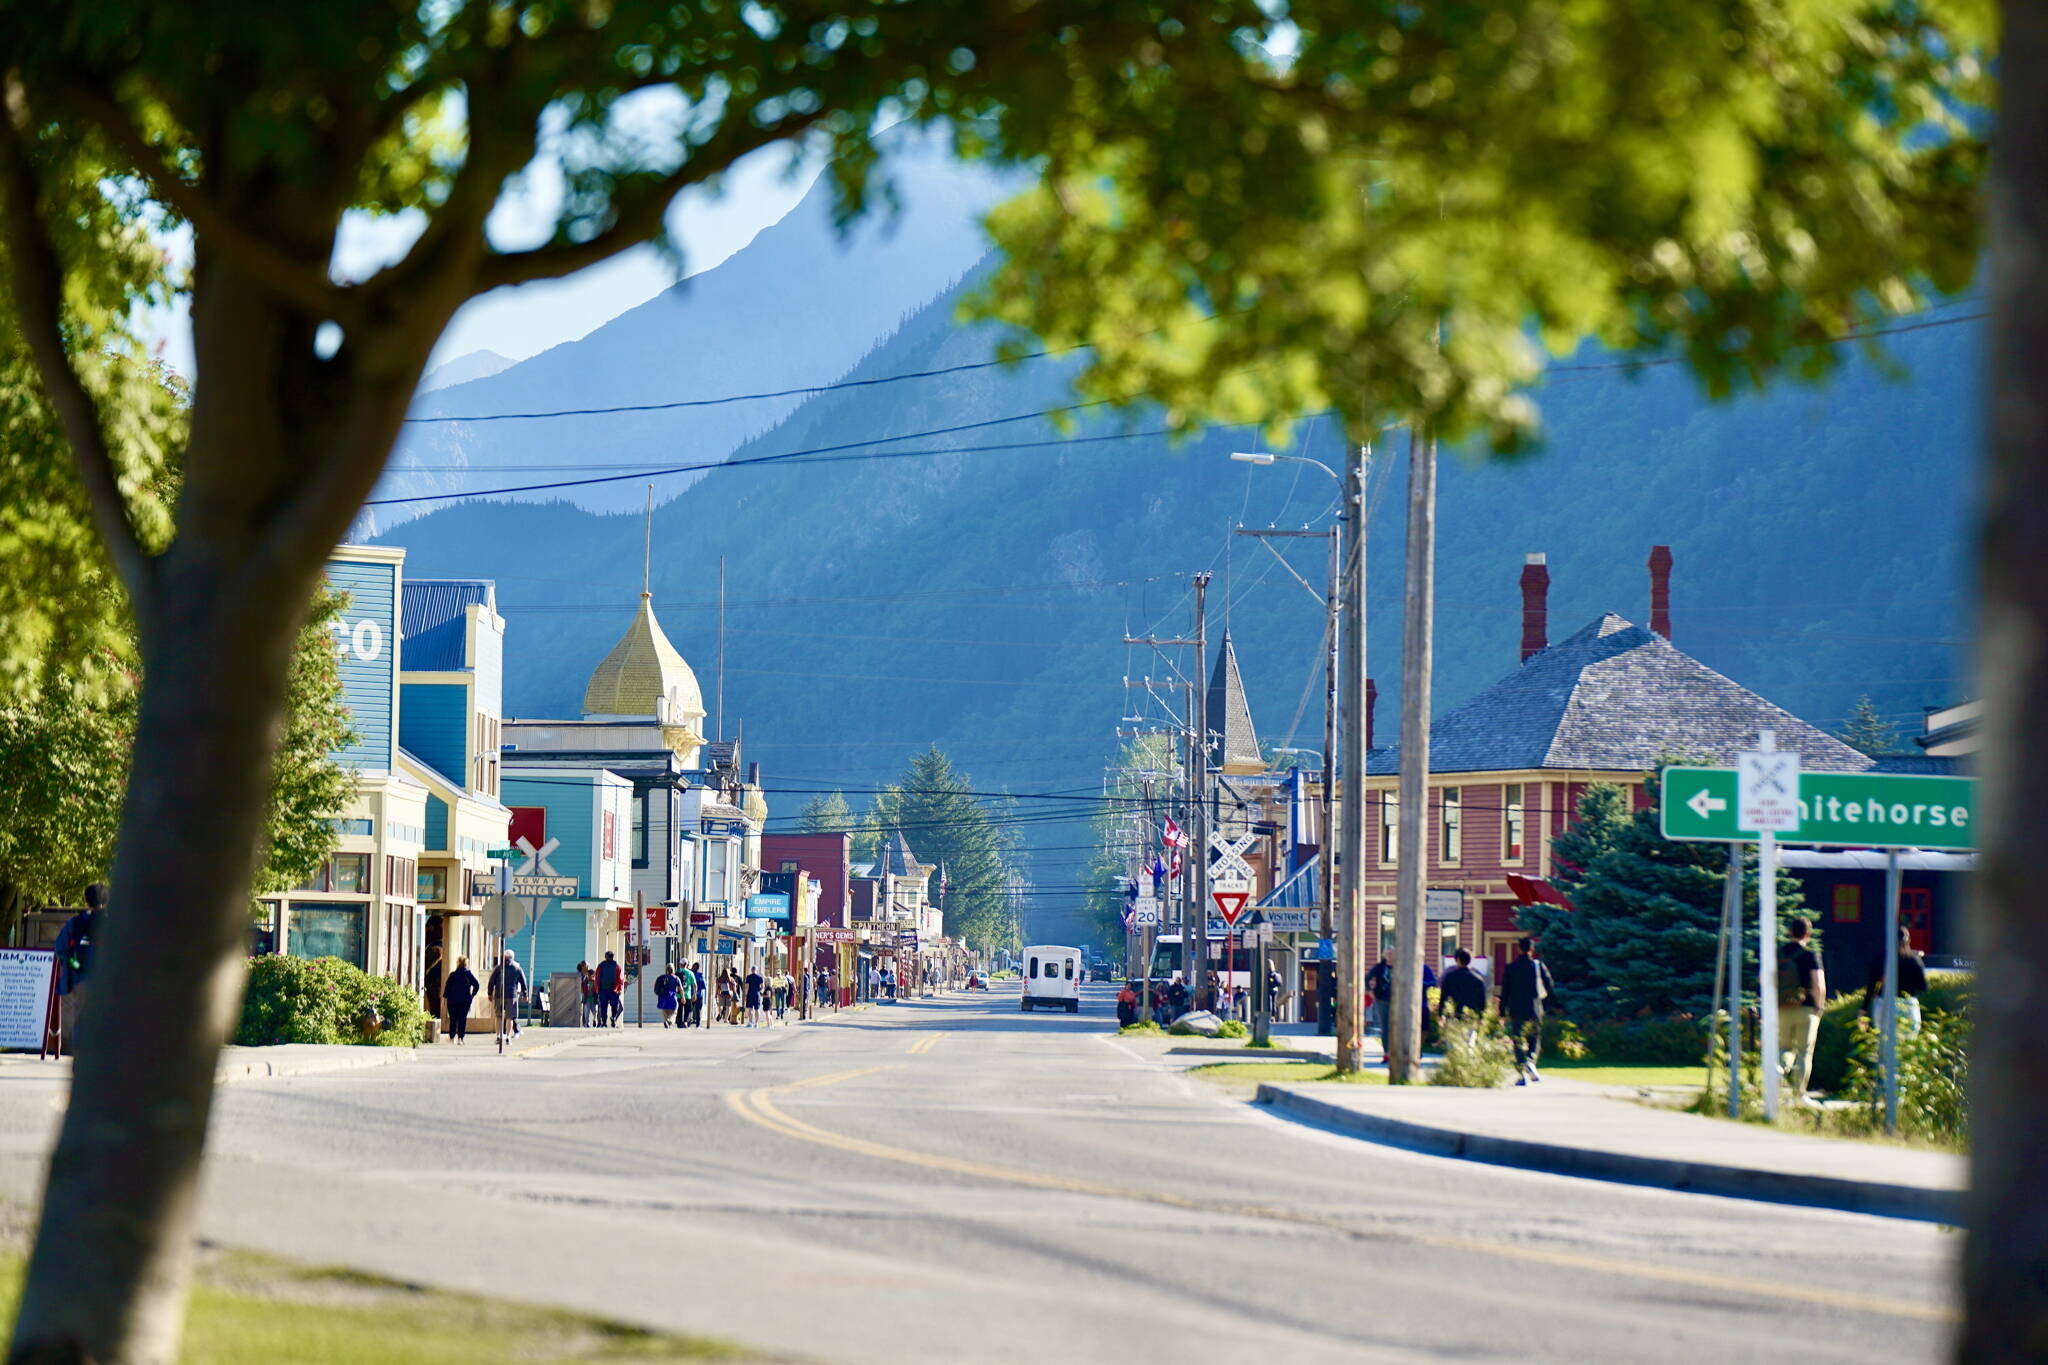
<point>1536,891</point>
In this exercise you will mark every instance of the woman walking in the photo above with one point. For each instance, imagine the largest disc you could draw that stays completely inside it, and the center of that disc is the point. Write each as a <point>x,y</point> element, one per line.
<point>586,983</point>
<point>457,992</point>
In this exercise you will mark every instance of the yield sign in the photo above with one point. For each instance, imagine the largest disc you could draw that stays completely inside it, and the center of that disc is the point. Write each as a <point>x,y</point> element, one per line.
<point>1230,904</point>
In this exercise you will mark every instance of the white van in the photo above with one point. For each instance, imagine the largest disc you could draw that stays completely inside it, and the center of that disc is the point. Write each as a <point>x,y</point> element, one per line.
<point>1052,976</point>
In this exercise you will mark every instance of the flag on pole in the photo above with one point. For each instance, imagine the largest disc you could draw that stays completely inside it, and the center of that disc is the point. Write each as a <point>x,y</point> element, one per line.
<point>1175,836</point>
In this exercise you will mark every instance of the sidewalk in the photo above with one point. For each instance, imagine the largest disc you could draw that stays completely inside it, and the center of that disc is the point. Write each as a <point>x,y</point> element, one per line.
<point>1600,1132</point>
<point>243,1063</point>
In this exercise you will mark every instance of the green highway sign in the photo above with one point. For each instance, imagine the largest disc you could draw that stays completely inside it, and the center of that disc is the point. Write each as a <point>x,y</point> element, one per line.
<point>1850,810</point>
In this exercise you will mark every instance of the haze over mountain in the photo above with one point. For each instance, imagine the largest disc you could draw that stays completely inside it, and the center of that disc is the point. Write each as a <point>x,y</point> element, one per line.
<point>930,589</point>
<point>465,367</point>
<point>797,306</point>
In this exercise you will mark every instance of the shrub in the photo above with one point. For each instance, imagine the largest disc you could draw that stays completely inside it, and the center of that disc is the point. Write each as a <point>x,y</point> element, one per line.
<point>1947,993</point>
<point>1142,1028</point>
<point>1680,1041</point>
<point>1562,1039</point>
<point>1475,1053</point>
<point>321,1000</point>
<point>1233,1028</point>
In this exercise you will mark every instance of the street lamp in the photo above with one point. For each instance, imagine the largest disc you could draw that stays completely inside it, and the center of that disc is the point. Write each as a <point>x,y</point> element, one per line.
<point>1332,929</point>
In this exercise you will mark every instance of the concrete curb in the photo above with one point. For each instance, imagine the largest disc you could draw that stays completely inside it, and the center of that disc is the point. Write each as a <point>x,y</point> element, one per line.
<point>242,1068</point>
<point>1255,1054</point>
<point>1916,1202</point>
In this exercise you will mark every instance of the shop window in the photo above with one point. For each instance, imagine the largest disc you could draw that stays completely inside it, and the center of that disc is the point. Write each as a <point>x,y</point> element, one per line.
<point>1511,822</point>
<point>1452,822</point>
<point>433,885</point>
<point>322,930</point>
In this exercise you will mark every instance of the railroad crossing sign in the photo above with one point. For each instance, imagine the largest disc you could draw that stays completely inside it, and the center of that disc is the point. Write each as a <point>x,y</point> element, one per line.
<point>538,876</point>
<point>1849,810</point>
<point>1227,866</point>
<point>1767,791</point>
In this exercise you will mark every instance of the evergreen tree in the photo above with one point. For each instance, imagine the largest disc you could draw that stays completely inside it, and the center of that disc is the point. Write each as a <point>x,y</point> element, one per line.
<point>827,814</point>
<point>1867,730</point>
<point>1641,937</point>
<point>946,824</point>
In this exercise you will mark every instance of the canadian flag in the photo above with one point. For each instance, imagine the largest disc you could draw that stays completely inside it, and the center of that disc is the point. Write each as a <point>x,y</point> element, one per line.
<point>1175,836</point>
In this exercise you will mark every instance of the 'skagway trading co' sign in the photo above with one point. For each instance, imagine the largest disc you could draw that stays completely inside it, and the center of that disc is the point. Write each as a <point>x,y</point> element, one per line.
<point>1850,810</point>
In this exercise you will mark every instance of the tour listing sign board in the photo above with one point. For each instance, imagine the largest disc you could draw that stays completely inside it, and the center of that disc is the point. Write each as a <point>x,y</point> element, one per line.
<point>26,978</point>
<point>1848,810</point>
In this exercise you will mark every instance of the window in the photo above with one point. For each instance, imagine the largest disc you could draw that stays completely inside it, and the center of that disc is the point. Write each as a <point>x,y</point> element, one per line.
<point>1511,822</point>
<point>319,930</point>
<point>433,885</point>
<point>1453,824</point>
<point>1390,828</point>
<point>610,836</point>
<point>350,873</point>
<point>639,831</point>
<point>1034,967</point>
<point>1848,903</point>
<point>1070,969</point>
<point>789,865</point>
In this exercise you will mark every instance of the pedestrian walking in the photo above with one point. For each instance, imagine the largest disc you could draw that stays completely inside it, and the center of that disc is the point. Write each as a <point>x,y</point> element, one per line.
<point>1524,986</point>
<point>696,974</point>
<point>508,988</point>
<point>755,984</point>
<point>1912,985</point>
<point>668,995</point>
<point>610,1001</point>
<point>780,993</point>
<point>586,985</point>
<point>1379,984</point>
<point>1276,1009</point>
<point>74,950</point>
<point>458,993</point>
<point>1802,994</point>
<point>1463,991</point>
<point>728,996</point>
<point>1127,1005</point>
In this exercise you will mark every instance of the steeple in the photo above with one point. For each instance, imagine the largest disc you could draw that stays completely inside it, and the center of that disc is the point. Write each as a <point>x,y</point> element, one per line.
<point>1230,717</point>
<point>644,678</point>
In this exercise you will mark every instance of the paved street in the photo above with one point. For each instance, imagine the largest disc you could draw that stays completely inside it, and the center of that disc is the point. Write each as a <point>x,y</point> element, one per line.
<point>954,1180</point>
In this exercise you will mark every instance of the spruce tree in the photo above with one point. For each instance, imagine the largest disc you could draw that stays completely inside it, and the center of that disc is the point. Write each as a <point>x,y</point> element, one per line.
<point>826,814</point>
<point>1640,940</point>
<point>1867,730</point>
<point>947,825</point>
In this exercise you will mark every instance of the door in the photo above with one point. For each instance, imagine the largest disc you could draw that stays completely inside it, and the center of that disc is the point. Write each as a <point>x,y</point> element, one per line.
<point>1916,913</point>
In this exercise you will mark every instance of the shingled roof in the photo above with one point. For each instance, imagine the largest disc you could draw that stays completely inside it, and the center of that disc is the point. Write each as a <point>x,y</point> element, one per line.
<point>1230,717</point>
<point>1615,697</point>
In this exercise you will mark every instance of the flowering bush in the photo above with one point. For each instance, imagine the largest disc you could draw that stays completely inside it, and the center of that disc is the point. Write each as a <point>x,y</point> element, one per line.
<point>324,1000</point>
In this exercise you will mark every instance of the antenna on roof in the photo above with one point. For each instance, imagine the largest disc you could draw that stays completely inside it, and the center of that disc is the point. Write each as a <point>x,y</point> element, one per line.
<point>647,549</point>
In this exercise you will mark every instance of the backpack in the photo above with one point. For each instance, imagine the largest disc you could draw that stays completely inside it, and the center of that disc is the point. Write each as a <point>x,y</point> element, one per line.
<point>1791,981</point>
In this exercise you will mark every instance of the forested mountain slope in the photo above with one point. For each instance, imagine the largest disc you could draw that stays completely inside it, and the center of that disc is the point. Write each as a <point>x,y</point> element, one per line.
<point>977,598</point>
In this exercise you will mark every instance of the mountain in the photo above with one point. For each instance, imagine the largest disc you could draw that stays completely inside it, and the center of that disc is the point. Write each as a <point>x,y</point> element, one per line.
<point>978,598</point>
<point>798,305</point>
<point>462,369</point>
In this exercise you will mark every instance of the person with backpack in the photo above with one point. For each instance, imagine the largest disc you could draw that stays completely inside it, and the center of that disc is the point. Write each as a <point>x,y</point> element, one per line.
<point>508,986</point>
<point>1379,984</point>
<point>668,995</point>
<point>458,992</point>
<point>1524,987</point>
<point>74,952</point>
<point>1802,995</point>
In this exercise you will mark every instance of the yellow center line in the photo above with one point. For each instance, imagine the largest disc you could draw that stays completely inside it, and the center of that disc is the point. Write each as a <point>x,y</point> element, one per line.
<point>759,1108</point>
<point>924,1045</point>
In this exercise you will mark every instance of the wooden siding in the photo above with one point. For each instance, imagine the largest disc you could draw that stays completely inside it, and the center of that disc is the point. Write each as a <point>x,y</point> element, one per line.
<point>366,649</point>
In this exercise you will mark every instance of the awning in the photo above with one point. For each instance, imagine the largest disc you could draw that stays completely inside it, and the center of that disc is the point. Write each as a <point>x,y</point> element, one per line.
<point>1871,860</point>
<point>1301,891</point>
<point>1536,891</point>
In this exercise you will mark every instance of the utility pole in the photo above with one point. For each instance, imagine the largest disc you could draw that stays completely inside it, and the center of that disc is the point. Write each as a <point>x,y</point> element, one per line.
<point>1350,963</point>
<point>1197,878</point>
<point>1404,1021</point>
<point>1326,849</point>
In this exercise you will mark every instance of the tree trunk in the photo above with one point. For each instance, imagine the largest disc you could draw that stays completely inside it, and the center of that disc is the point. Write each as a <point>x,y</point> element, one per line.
<point>2005,1264</point>
<point>107,1279</point>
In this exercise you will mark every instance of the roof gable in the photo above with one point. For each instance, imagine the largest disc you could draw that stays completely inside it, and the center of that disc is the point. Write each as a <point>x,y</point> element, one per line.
<point>1616,697</point>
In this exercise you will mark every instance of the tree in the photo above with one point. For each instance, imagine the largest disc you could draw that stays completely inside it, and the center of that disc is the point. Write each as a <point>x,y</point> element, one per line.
<point>1867,729</point>
<point>947,825</point>
<point>1645,923</point>
<point>1734,182</point>
<point>827,814</point>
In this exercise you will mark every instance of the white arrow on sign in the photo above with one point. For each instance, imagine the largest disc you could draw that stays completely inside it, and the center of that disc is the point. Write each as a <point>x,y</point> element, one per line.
<point>1704,805</point>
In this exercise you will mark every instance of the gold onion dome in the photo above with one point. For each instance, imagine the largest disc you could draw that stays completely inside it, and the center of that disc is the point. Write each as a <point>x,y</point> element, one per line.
<point>645,675</point>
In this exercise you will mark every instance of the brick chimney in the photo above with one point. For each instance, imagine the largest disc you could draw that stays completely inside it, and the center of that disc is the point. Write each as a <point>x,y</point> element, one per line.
<point>1372,699</point>
<point>1660,590</point>
<point>1535,606</point>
